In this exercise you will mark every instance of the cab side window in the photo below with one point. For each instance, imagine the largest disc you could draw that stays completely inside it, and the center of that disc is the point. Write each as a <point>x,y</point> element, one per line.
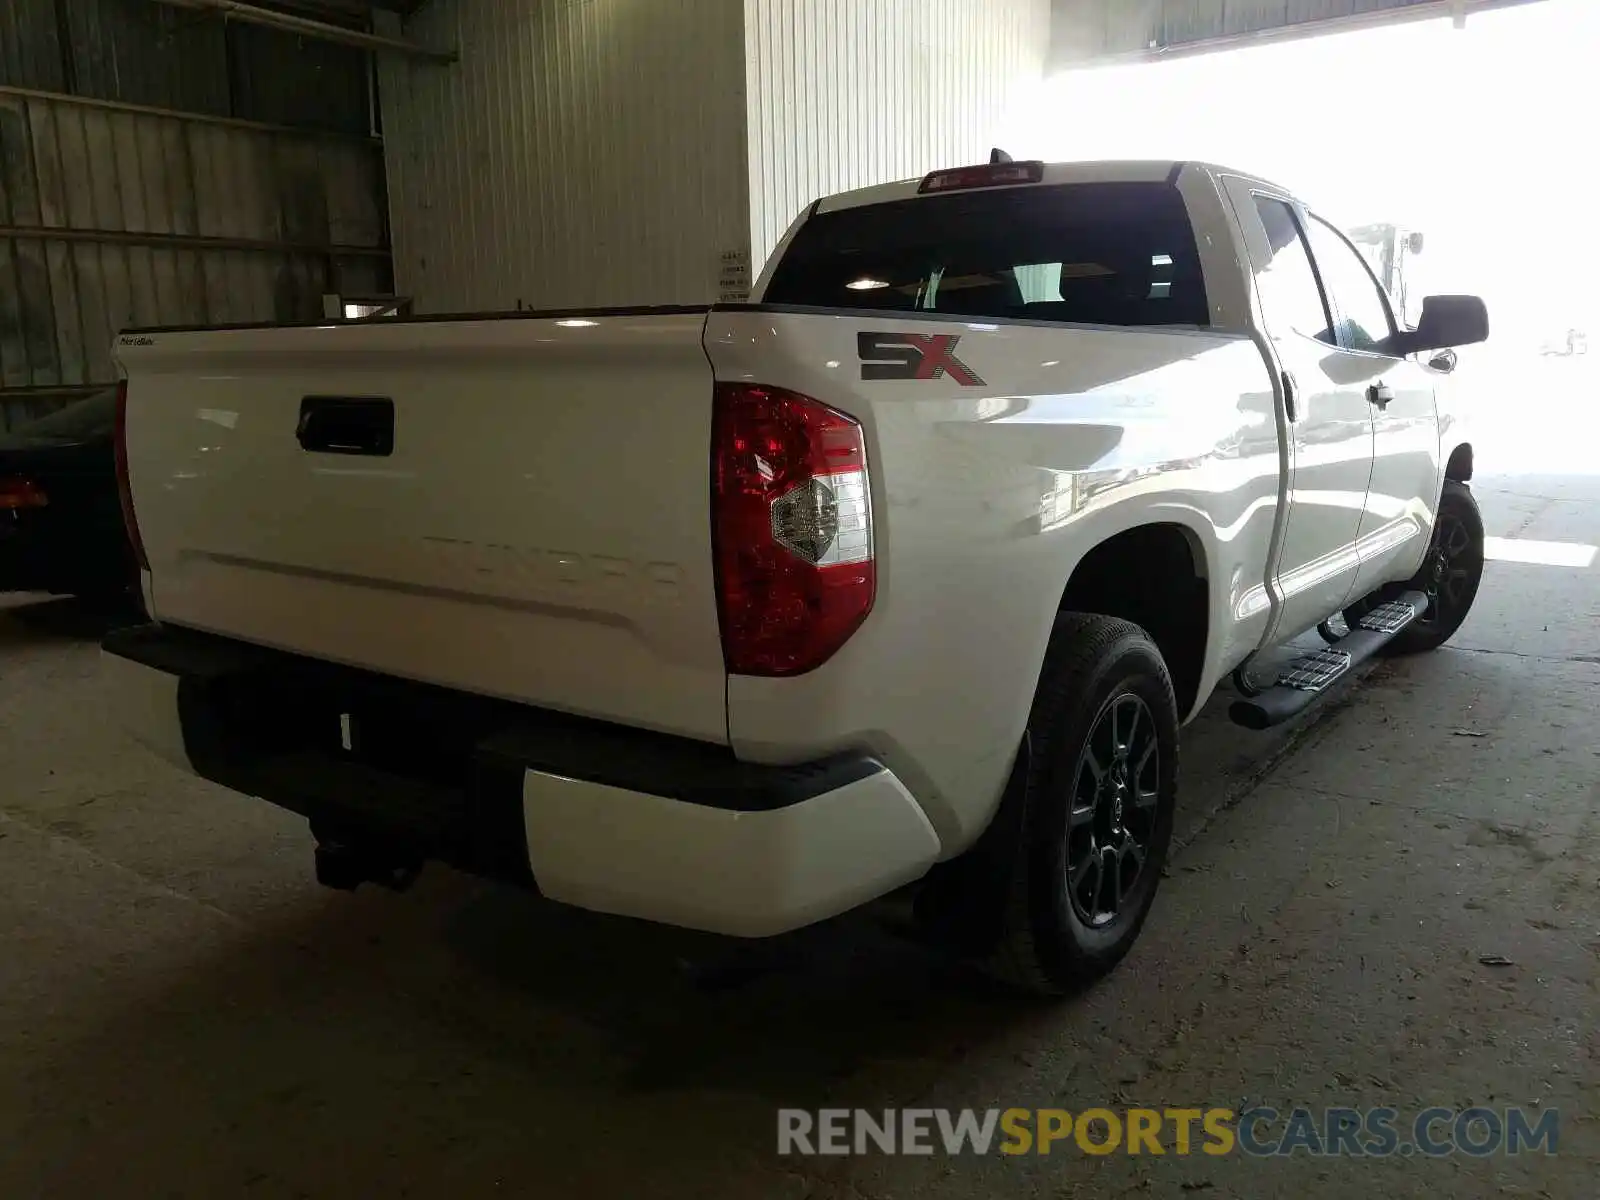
<point>1362,310</point>
<point>1291,295</point>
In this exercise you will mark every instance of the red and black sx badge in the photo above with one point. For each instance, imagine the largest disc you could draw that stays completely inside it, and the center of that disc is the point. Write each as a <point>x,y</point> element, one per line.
<point>913,356</point>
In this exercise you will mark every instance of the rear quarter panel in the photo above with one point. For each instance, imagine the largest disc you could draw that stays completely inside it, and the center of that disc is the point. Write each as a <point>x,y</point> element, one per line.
<point>985,498</point>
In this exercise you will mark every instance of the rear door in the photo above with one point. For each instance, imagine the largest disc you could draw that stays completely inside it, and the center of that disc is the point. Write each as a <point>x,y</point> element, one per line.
<point>1399,394</point>
<point>1329,420</point>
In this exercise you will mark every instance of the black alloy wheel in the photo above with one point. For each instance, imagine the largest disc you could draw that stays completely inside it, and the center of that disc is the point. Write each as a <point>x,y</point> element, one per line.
<point>1450,572</point>
<point>1113,816</point>
<point>1450,575</point>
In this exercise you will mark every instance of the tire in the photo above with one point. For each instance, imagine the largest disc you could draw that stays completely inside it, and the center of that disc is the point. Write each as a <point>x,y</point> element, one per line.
<point>1103,685</point>
<point>1450,574</point>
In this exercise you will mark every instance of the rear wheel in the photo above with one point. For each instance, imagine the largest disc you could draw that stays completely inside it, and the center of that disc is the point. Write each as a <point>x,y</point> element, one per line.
<point>1098,806</point>
<point>1450,575</point>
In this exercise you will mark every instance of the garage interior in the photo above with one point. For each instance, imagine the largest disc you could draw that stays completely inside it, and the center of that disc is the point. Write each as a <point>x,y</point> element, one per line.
<point>1393,901</point>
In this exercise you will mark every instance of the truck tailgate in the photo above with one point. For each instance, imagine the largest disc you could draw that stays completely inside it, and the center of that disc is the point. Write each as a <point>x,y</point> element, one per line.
<point>538,530</point>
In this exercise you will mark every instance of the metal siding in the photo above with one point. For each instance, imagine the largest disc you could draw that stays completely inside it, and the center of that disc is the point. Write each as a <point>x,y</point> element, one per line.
<point>847,93</point>
<point>76,167</point>
<point>139,52</point>
<point>30,45</point>
<point>285,79</point>
<point>124,186</point>
<point>1297,11</point>
<point>144,53</point>
<point>1085,30</point>
<point>1195,20</point>
<point>1140,23</point>
<point>584,152</point>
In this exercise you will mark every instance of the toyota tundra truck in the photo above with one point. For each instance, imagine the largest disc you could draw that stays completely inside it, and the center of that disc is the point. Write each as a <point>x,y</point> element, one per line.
<point>900,578</point>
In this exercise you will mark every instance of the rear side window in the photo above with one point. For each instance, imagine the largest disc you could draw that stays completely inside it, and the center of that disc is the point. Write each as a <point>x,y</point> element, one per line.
<point>1093,253</point>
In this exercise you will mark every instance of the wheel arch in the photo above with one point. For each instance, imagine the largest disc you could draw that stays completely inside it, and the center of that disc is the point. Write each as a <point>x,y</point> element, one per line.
<point>1157,574</point>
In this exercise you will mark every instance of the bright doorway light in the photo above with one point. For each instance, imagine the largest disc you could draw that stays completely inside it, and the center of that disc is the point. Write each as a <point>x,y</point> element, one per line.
<point>1474,137</point>
<point>1539,554</point>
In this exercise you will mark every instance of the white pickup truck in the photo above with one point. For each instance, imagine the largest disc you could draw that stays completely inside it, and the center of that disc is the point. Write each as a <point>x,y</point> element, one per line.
<point>735,618</point>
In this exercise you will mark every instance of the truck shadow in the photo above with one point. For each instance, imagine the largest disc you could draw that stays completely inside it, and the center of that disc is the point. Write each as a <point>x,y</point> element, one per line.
<point>61,618</point>
<point>357,1046</point>
<point>787,1020</point>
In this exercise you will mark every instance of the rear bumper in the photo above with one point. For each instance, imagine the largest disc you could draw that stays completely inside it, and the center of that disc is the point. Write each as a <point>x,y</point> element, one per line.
<point>599,816</point>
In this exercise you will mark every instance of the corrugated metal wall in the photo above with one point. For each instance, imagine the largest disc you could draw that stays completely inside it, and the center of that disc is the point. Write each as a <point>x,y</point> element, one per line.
<point>1084,30</point>
<point>115,211</point>
<point>103,216</point>
<point>847,93</point>
<point>139,52</point>
<point>583,153</point>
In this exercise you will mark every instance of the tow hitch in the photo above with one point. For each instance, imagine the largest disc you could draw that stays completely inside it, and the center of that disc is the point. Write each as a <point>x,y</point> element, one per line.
<point>346,866</point>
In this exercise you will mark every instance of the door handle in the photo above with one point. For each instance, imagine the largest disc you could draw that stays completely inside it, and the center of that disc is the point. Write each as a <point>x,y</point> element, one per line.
<point>1288,396</point>
<point>346,425</point>
<point>1380,394</point>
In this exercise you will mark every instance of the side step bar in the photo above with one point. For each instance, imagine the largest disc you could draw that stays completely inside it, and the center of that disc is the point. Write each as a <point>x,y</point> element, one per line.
<point>1307,679</point>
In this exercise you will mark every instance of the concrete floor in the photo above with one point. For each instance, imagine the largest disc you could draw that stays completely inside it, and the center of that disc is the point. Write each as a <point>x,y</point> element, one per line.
<point>184,1013</point>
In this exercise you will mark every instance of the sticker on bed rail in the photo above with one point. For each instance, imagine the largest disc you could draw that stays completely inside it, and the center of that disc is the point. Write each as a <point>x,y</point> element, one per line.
<point>913,356</point>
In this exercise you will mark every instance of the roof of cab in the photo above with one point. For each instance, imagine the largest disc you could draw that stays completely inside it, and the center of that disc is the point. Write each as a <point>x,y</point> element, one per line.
<point>1101,171</point>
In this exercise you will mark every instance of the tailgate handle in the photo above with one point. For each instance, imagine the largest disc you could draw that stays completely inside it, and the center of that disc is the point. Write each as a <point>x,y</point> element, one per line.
<point>347,425</point>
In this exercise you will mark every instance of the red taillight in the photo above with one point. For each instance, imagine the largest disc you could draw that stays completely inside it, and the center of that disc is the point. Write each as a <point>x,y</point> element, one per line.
<point>124,487</point>
<point>792,529</point>
<point>21,493</point>
<point>988,175</point>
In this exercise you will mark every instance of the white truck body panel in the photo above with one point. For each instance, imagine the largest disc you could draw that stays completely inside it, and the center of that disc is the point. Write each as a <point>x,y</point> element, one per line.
<point>521,542</point>
<point>985,499</point>
<point>742,874</point>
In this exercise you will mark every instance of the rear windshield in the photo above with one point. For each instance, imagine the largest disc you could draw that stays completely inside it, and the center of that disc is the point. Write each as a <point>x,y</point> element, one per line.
<point>1095,253</point>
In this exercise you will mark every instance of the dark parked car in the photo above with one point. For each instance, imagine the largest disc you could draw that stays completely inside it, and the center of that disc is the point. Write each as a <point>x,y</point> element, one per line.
<point>61,527</point>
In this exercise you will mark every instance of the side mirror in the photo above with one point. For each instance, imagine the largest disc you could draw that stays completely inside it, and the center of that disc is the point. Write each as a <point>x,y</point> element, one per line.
<point>1415,243</point>
<point>1447,322</point>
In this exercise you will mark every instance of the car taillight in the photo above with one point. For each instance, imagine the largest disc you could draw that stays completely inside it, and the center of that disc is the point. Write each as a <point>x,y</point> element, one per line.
<point>792,529</point>
<point>21,493</point>
<point>124,486</point>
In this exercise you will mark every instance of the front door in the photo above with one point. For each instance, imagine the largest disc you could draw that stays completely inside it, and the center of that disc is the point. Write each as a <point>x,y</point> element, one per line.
<point>1328,420</point>
<point>1398,516</point>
